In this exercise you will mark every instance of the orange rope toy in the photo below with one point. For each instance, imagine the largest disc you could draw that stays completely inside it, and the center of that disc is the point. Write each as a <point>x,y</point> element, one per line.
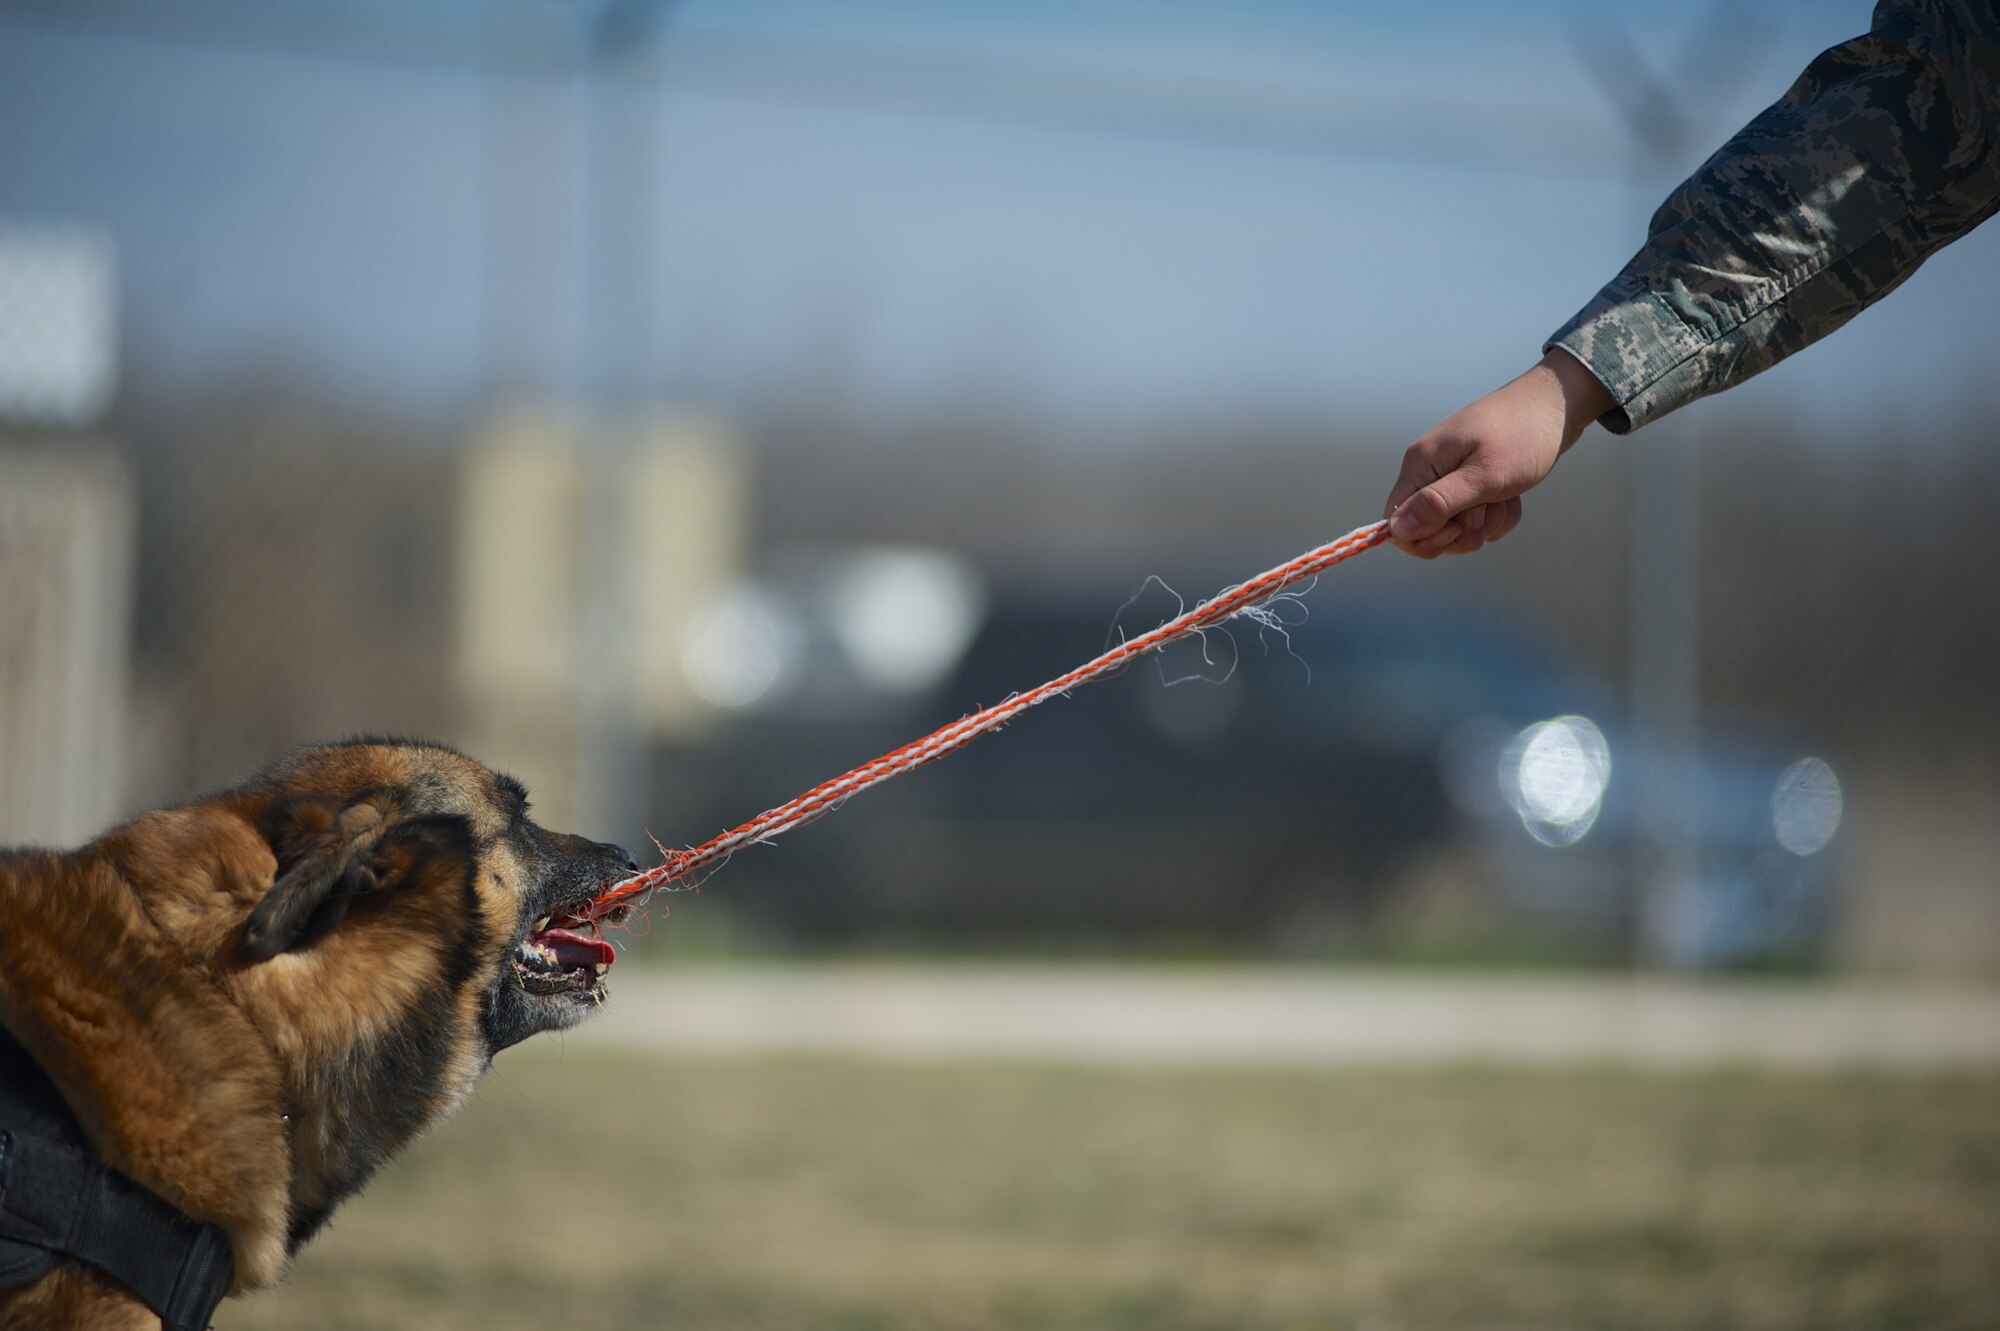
<point>681,864</point>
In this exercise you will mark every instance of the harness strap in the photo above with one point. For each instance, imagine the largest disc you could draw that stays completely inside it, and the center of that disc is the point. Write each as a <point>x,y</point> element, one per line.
<point>65,1201</point>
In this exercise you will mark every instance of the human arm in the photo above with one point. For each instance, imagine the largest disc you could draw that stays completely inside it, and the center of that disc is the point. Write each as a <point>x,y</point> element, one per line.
<point>1885,150</point>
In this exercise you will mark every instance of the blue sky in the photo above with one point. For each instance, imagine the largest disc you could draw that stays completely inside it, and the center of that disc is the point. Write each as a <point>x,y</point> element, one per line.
<point>1067,213</point>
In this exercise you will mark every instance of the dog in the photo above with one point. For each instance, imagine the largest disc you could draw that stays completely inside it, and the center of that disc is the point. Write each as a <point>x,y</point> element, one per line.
<point>249,1003</point>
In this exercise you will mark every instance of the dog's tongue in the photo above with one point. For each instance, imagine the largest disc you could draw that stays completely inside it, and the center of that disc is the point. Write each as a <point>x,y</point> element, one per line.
<point>575,949</point>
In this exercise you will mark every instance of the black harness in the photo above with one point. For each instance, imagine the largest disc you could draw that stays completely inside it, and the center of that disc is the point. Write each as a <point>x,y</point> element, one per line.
<point>57,1200</point>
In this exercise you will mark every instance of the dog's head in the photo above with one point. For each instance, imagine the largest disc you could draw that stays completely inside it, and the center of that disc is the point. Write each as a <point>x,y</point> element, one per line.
<point>414,865</point>
<point>383,922</point>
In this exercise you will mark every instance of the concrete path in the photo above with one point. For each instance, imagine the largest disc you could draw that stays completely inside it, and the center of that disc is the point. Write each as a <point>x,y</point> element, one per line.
<point>1274,1016</point>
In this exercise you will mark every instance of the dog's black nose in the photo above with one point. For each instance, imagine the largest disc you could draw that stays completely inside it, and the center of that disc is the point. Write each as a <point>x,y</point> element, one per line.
<point>622,855</point>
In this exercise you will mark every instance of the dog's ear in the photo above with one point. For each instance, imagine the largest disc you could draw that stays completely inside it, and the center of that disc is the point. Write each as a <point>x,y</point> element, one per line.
<point>417,851</point>
<point>324,851</point>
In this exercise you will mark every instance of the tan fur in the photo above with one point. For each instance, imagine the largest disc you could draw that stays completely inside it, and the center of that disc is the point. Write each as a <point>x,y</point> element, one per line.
<point>123,971</point>
<point>75,1295</point>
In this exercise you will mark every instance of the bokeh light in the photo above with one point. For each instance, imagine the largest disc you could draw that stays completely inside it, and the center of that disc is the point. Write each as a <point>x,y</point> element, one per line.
<point>1555,773</point>
<point>1806,806</point>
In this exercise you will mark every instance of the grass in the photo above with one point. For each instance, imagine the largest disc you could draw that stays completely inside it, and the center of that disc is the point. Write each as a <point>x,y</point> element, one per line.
<point>610,1191</point>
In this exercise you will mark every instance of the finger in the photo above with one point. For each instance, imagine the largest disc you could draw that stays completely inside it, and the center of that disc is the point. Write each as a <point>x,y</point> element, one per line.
<point>1424,513</point>
<point>1398,492</point>
<point>1472,531</point>
<point>1418,471</point>
<point>1438,542</point>
<point>1426,462</point>
<point>1502,518</point>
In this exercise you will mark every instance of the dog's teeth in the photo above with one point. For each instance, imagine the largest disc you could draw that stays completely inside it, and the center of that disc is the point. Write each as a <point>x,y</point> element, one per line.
<point>603,966</point>
<point>541,924</point>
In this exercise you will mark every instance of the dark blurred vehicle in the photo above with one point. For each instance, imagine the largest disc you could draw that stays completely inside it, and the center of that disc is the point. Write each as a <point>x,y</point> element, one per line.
<point>1746,878</point>
<point>1267,787</point>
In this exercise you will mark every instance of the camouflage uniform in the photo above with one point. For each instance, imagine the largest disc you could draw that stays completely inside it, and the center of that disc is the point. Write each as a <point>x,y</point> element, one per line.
<point>1885,150</point>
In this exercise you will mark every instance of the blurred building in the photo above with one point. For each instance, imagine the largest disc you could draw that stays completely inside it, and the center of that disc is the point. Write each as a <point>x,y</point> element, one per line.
<point>583,558</point>
<point>66,548</point>
<point>67,539</point>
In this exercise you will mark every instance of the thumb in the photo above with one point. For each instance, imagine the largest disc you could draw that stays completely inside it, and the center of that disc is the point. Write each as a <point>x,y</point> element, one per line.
<point>1425,512</point>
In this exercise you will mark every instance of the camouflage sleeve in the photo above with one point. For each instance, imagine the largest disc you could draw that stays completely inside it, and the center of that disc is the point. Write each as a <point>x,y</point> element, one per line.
<point>1885,150</point>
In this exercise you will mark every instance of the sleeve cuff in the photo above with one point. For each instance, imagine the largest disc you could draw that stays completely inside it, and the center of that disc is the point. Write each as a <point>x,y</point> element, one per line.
<point>1638,348</point>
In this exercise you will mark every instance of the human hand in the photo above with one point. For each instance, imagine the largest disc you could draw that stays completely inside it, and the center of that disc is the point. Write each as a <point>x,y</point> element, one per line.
<point>1461,484</point>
